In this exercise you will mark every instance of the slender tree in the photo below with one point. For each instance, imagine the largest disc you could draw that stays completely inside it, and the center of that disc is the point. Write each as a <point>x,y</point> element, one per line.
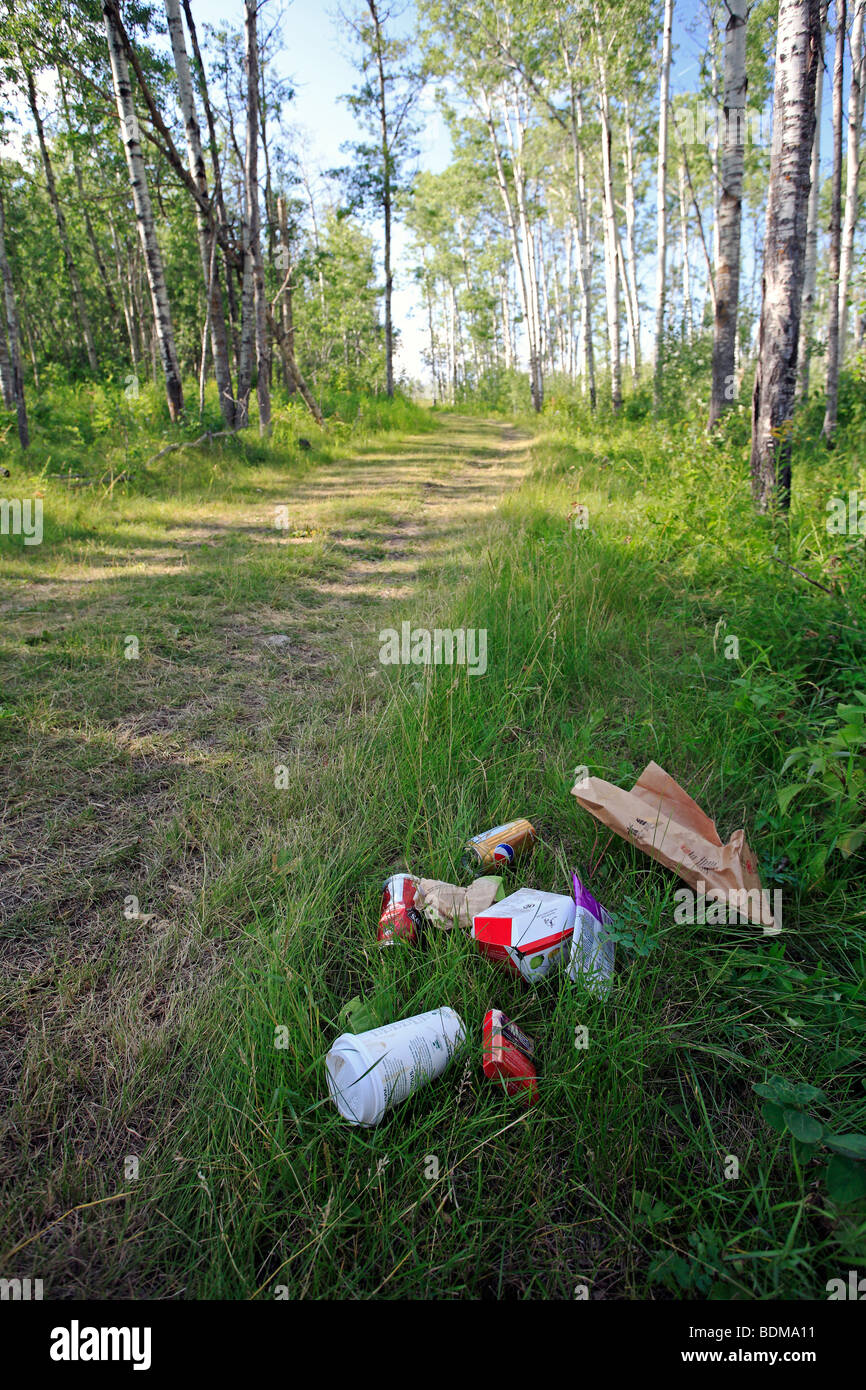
<point>143,210</point>
<point>832,387</point>
<point>253,219</point>
<point>661,200</point>
<point>727,268</point>
<point>12,335</point>
<point>804,348</point>
<point>215,314</point>
<point>852,204</point>
<point>798,54</point>
<point>383,103</point>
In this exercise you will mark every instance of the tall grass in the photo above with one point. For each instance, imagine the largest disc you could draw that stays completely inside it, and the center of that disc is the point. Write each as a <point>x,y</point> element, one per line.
<point>647,1169</point>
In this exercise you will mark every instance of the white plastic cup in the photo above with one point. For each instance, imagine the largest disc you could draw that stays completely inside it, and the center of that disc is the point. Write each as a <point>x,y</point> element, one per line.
<point>370,1072</point>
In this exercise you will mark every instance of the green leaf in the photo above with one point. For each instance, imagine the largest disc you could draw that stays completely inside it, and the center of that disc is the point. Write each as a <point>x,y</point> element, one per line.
<point>794,757</point>
<point>804,1151</point>
<point>769,1090</point>
<point>850,1145</point>
<point>852,841</point>
<point>803,1093</point>
<point>803,1127</point>
<point>783,1092</point>
<point>787,794</point>
<point>846,1180</point>
<point>774,1115</point>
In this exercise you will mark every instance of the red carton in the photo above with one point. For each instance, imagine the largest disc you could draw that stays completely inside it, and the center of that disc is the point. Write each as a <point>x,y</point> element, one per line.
<point>508,1053</point>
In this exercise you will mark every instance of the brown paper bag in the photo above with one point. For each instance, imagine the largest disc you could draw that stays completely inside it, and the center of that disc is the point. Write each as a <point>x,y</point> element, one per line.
<point>662,820</point>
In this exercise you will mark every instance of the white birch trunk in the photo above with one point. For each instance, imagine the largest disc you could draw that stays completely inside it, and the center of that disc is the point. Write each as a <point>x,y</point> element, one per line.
<point>832,387</point>
<point>630,236</point>
<point>214,317</point>
<point>729,217</point>
<point>144,213</point>
<point>263,353</point>
<point>661,200</point>
<point>610,241</point>
<point>798,54</point>
<point>855,121</point>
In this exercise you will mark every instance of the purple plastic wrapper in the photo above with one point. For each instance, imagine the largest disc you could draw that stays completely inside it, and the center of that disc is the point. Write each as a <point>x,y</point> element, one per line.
<point>583,898</point>
<point>592,950</point>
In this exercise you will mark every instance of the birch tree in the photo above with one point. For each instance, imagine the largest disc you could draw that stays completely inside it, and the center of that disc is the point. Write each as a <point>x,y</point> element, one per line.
<point>727,265</point>
<point>131,139</point>
<point>855,121</point>
<point>611,236</point>
<point>384,103</point>
<point>798,55</point>
<point>661,200</point>
<point>205,226</point>
<point>804,348</point>
<point>12,337</point>
<point>832,386</point>
<point>253,250</point>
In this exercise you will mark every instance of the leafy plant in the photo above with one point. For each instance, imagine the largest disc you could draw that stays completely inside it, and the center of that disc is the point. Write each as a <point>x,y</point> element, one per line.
<point>785,1110</point>
<point>832,784</point>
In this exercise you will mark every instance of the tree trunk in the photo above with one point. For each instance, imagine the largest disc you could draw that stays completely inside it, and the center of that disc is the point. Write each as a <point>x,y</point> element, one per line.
<point>610,240</point>
<point>631,246</point>
<point>855,120</point>
<point>213,146</point>
<point>7,377</point>
<point>798,55</point>
<point>804,349</point>
<point>284,332</point>
<point>519,270</point>
<point>533,305</point>
<point>684,255</point>
<point>215,316</point>
<point>832,387</point>
<point>387,194</point>
<point>246,349</point>
<point>263,373</point>
<point>727,277</point>
<point>13,335</point>
<point>60,220</point>
<point>586,256</point>
<point>716,179</point>
<point>143,211</point>
<point>661,203</point>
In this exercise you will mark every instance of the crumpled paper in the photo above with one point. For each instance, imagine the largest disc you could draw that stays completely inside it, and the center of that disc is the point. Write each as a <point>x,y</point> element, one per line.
<point>448,905</point>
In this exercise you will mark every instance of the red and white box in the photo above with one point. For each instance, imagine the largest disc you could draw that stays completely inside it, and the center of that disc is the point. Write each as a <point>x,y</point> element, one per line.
<point>508,1054</point>
<point>529,931</point>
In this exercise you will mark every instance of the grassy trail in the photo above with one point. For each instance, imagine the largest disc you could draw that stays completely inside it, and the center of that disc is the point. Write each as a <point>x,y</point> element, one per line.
<point>162,655</point>
<point>252,796</point>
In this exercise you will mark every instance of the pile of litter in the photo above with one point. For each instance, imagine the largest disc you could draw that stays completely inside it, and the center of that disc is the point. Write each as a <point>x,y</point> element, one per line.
<point>379,1063</point>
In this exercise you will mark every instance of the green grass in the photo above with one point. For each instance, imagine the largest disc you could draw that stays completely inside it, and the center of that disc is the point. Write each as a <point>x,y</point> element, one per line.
<point>605,648</point>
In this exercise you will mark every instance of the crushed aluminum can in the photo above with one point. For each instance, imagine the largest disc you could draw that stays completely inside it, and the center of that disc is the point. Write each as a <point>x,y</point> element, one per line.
<point>399,918</point>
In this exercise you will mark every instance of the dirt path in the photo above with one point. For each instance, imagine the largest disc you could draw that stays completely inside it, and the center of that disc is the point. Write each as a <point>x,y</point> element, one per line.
<point>139,797</point>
